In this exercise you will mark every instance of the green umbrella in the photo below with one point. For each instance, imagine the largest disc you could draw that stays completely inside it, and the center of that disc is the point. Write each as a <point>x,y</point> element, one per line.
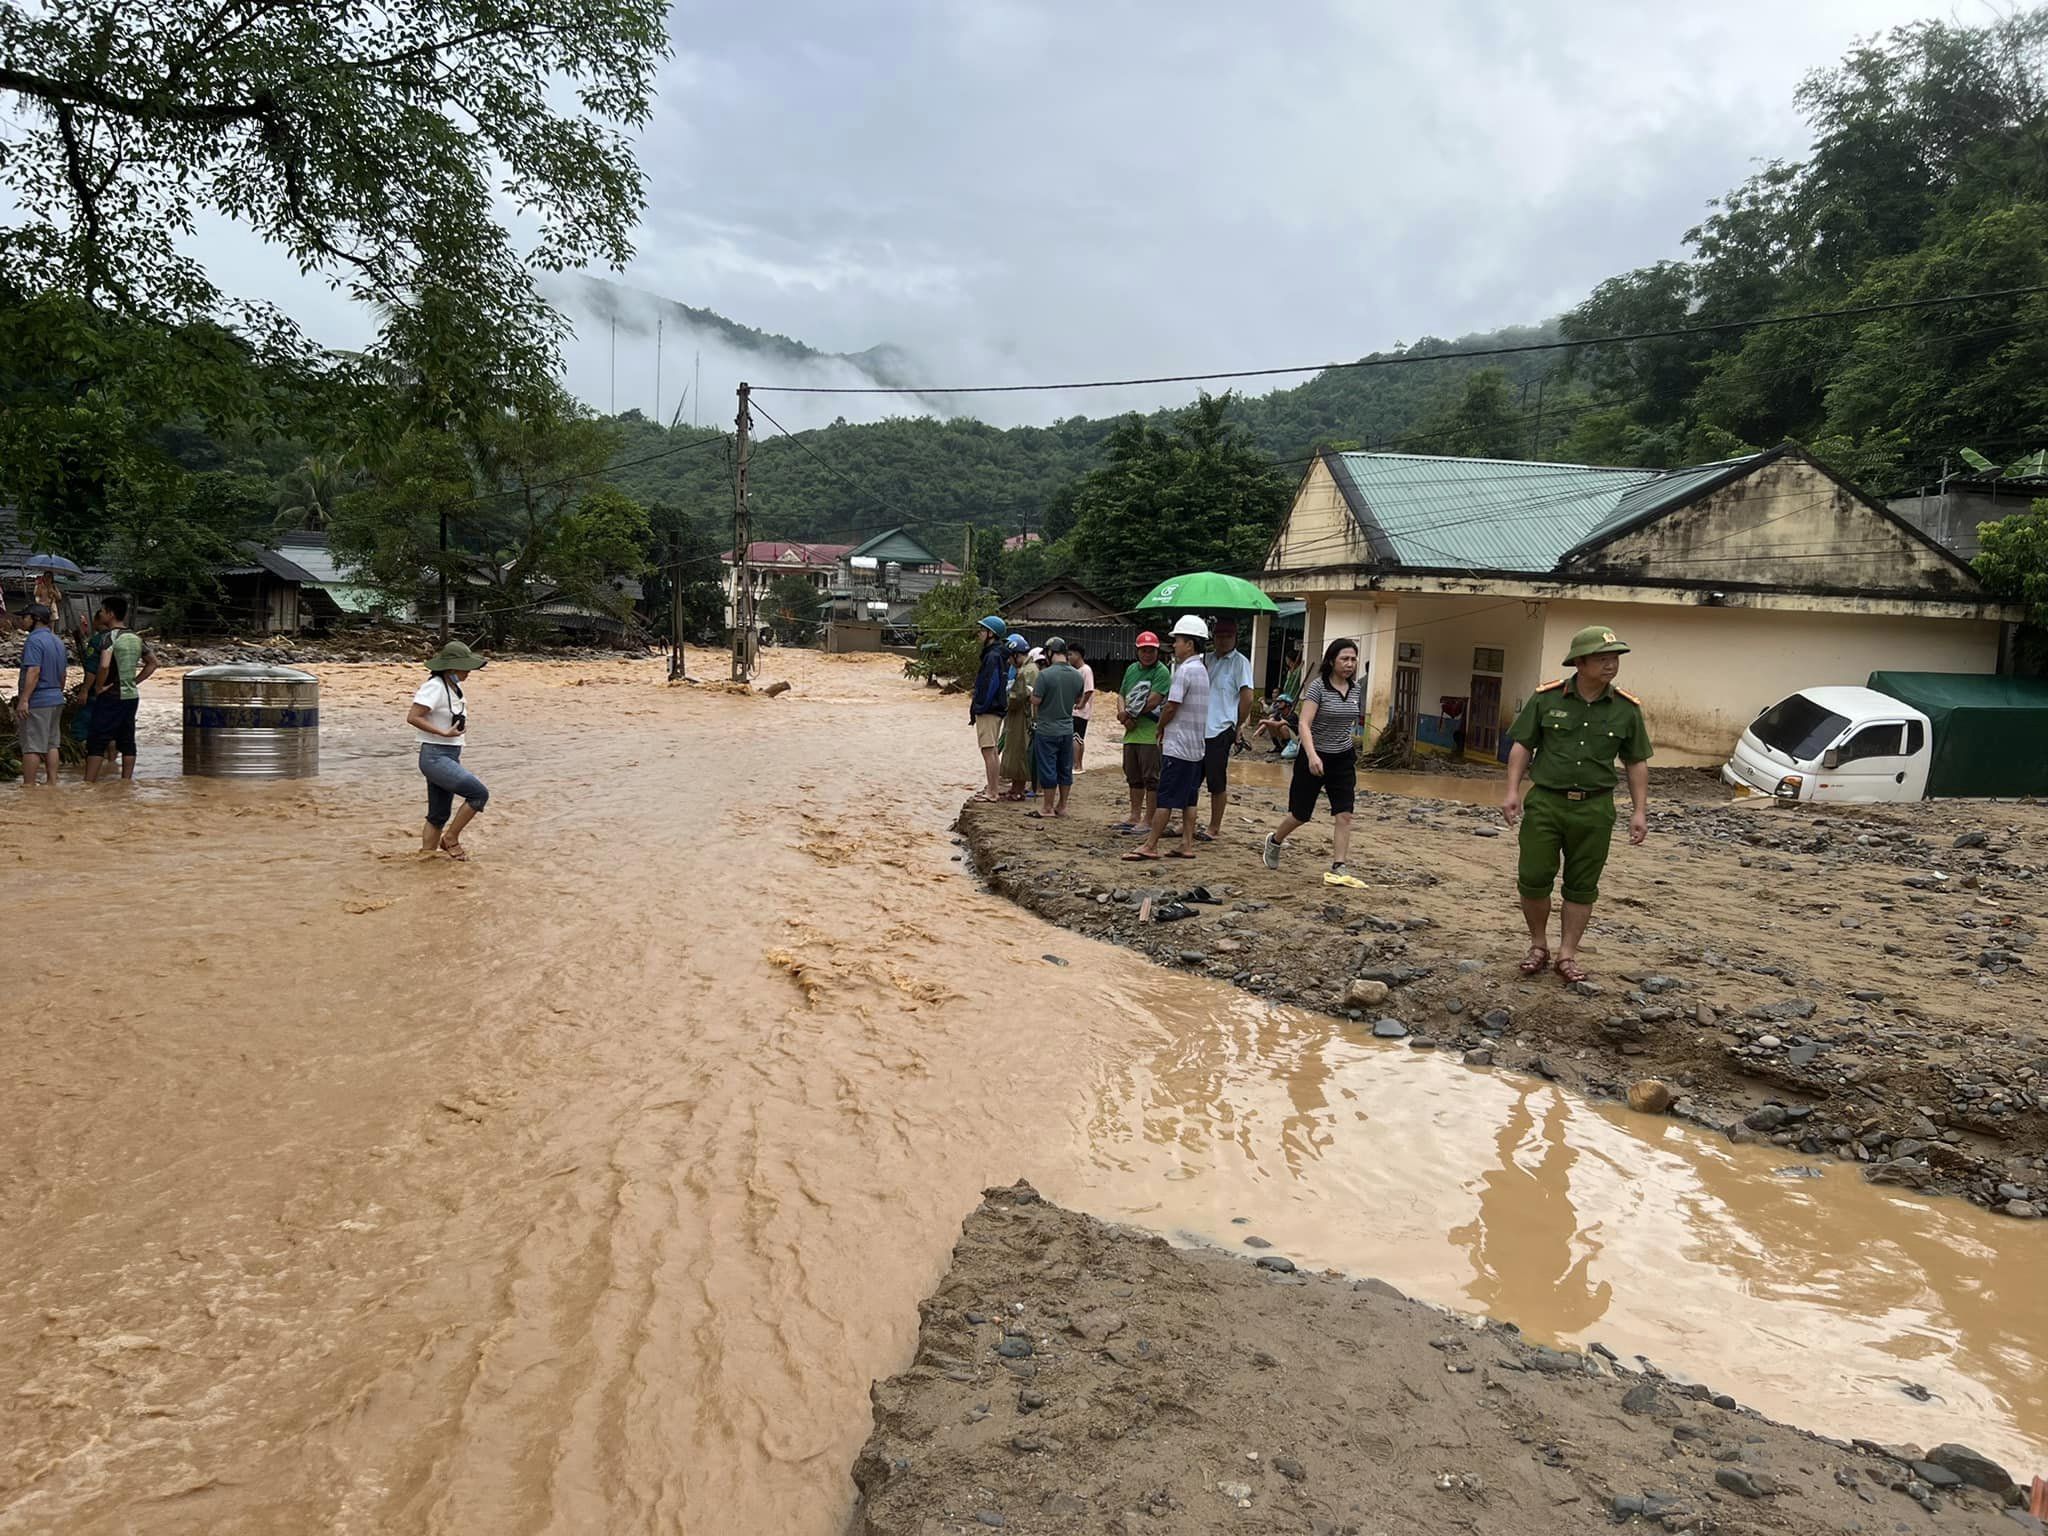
<point>1209,590</point>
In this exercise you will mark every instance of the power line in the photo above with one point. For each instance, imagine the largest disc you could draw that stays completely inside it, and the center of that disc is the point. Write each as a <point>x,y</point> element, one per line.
<point>1713,328</point>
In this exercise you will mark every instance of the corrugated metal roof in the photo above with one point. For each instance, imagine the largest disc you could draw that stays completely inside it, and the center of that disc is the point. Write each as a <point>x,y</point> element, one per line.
<point>1501,514</point>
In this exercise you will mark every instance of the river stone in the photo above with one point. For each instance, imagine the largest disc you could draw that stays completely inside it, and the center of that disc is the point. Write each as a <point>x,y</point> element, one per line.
<point>1640,1398</point>
<point>1276,1263</point>
<point>1390,1029</point>
<point>1936,1476</point>
<point>1014,1349</point>
<point>1766,1119</point>
<point>1479,1057</point>
<point>1365,994</point>
<point>2026,1210</point>
<point>1749,1485</point>
<point>1651,1097</point>
<point>1974,1468</point>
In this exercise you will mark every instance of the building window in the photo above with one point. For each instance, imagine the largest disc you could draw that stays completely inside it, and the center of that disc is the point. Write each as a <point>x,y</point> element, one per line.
<point>1408,653</point>
<point>1489,658</point>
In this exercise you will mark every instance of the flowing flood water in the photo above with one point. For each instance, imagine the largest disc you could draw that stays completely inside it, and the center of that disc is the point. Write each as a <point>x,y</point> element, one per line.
<point>586,1187</point>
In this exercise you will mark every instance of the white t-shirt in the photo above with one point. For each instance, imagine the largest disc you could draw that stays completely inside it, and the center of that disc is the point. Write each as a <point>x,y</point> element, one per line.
<point>444,701</point>
<point>1085,710</point>
<point>1228,672</point>
<point>1184,737</point>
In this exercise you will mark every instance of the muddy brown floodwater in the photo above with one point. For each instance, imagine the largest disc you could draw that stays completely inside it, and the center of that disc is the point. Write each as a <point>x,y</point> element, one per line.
<point>586,1187</point>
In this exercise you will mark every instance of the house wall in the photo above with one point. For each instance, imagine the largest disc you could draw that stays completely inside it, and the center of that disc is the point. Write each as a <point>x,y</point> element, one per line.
<point>1788,525</point>
<point>1319,529</point>
<point>1704,673</point>
<point>1449,629</point>
<point>1952,516</point>
<point>1058,608</point>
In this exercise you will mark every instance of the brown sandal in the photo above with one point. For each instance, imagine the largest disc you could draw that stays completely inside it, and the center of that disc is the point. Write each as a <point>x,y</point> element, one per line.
<point>1536,962</point>
<point>1571,971</point>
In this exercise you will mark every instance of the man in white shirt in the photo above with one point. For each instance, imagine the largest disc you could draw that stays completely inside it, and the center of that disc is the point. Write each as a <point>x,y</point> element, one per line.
<point>1181,725</point>
<point>1085,708</point>
<point>1230,711</point>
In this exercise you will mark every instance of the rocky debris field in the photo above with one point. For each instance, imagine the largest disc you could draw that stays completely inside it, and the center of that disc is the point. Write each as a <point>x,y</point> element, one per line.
<point>1075,1377</point>
<point>1856,982</point>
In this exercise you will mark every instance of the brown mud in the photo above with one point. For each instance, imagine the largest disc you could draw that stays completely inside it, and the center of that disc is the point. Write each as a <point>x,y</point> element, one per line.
<point>1849,982</point>
<point>588,1186</point>
<point>1072,1376</point>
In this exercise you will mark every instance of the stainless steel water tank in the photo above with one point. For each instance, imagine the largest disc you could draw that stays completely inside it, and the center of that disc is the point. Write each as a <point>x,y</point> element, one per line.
<point>252,722</point>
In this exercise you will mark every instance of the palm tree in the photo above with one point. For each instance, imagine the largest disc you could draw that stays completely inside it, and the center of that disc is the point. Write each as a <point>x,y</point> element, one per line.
<point>311,492</point>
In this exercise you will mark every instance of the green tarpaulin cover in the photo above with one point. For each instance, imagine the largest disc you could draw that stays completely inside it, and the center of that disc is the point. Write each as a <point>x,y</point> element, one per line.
<point>1990,733</point>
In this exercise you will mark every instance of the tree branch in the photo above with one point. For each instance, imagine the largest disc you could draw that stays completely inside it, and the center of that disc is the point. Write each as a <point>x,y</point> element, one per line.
<point>75,93</point>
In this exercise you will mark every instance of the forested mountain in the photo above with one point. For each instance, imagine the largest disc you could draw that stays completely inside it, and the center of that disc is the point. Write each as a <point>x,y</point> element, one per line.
<point>1927,177</point>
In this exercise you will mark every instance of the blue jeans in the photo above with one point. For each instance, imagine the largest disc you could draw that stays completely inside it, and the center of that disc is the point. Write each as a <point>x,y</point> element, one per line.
<point>447,778</point>
<point>1053,756</point>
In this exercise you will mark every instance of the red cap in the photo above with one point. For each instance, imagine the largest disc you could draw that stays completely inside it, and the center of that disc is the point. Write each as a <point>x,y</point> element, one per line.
<point>1148,638</point>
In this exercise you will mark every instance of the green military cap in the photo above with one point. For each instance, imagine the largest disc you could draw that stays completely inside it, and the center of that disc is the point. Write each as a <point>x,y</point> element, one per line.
<point>1594,640</point>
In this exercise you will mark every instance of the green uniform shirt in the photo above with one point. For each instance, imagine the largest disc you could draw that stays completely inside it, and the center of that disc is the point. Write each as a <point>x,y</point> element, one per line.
<point>1143,731</point>
<point>1575,743</point>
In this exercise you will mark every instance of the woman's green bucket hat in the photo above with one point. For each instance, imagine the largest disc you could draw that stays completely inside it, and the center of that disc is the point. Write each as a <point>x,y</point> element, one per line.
<point>455,657</point>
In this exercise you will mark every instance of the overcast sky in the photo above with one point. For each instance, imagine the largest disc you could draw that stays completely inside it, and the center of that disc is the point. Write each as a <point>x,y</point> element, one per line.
<point>1053,189</point>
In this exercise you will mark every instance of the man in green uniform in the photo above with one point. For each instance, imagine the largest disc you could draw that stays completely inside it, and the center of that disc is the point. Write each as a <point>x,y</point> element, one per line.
<point>1565,742</point>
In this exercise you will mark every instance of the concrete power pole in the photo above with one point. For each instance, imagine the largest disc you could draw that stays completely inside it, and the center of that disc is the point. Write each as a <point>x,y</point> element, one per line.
<point>743,625</point>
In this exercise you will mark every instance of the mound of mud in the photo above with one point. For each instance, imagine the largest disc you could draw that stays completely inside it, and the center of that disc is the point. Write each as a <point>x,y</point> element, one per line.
<point>1075,1377</point>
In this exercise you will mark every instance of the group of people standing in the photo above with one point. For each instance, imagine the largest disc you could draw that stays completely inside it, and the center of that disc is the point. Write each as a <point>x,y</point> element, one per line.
<point>115,661</point>
<point>1182,723</point>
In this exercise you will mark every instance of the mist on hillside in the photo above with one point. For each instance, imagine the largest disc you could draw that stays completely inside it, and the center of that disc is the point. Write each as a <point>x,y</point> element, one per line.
<point>610,363</point>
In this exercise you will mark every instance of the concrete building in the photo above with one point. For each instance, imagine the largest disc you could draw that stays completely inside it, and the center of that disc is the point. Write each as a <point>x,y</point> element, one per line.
<point>769,560</point>
<point>1734,582</point>
<point>1951,512</point>
<point>880,581</point>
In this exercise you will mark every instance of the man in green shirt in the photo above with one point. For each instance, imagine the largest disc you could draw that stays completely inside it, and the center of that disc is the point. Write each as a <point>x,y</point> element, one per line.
<point>1145,685</point>
<point>1566,740</point>
<point>116,691</point>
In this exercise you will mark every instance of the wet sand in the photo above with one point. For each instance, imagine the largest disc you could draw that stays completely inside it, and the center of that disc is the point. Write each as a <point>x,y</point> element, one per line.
<point>588,1186</point>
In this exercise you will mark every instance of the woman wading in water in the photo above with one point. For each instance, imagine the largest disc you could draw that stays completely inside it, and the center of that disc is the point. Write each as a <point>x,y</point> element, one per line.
<point>439,716</point>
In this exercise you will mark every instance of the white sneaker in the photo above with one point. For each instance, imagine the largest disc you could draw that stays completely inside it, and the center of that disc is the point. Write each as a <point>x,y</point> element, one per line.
<point>1270,852</point>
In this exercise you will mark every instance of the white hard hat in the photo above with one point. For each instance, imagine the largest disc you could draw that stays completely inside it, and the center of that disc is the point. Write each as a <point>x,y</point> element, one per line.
<point>1189,624</point>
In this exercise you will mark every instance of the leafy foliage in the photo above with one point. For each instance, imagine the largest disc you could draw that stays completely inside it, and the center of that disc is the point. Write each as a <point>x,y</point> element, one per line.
<point>2014,559</point>
<point>171,555</point>
<point>793,608</point>
<point>948,636</point>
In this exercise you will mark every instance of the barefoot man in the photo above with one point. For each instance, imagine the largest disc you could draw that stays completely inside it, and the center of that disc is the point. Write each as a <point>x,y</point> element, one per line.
<point>1565,742</point>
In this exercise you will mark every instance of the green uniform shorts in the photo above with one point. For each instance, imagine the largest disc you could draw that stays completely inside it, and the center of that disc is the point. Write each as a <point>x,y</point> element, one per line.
<point>1576,832</point>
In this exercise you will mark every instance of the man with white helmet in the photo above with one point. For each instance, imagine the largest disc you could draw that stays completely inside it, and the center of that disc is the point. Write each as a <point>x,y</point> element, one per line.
<point>1183,740</point>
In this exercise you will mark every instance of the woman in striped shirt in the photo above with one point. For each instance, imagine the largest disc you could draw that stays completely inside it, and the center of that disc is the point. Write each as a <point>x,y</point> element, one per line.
<point>1328,765</point>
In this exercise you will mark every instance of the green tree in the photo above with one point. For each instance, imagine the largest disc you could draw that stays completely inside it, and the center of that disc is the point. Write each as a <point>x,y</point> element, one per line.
<point>948,637</point>
<point>684,565</point>
<point>793,609</point>
<point>308,496</point>
<point>2013,560</point>
<point>368,142</point>
<point>1482,423</point>
<point>1194,495</point>
<point>170,555</point>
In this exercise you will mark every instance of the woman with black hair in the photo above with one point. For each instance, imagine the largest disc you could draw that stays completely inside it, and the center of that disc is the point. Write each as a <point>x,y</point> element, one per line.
<point>1330,707</point>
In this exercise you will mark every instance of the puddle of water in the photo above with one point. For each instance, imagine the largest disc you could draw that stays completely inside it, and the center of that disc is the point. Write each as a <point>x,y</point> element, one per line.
<point>1477,789</point>
<point>1814,1299</point>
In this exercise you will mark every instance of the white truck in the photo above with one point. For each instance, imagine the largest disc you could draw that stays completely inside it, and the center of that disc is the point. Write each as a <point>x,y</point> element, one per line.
<point>1905,736</point>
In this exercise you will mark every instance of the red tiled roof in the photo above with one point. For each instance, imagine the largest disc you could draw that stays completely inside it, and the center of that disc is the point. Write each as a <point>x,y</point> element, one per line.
<point>776,551</point>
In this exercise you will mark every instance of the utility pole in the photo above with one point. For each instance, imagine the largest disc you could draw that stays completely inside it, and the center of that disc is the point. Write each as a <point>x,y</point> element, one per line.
<point>676,669</point>
<point>743,601</point>
<point>1536,438</point>
<point>444,575</point>
<point>657,370</point>
<point>615,365</point>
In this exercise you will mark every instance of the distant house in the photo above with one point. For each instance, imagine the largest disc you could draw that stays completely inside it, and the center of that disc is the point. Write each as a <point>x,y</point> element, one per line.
<point>1463,579</point>
<point>1065,608</point>
<point>881,580</point>
<point>1950,512</point>
<point>1022,540</point>
<point>308,549</point>
<point>273,595</point>
<point>769,560</point>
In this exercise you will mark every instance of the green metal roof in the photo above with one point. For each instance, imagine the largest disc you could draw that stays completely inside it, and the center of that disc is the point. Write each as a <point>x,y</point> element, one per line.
<point>1484,514</point>
<point>1672,488</point>
<point>895,545</point>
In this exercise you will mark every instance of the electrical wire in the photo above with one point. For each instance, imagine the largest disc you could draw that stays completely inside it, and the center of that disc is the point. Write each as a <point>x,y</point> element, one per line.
<point>1394,360</point>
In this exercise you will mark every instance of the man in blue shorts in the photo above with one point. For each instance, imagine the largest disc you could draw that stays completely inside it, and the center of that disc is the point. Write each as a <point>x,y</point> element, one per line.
<point>1183,738</point>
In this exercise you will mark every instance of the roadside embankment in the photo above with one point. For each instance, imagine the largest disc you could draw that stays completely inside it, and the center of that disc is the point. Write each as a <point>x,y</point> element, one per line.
<point>1852,982</point>
<point>1075,1377</point>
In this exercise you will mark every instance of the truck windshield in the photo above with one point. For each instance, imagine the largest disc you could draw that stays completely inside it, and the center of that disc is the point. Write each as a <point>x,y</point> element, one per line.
<point>1798,727</point>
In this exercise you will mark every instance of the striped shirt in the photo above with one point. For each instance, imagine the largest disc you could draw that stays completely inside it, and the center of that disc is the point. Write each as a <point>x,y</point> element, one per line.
<point>1336,720</point>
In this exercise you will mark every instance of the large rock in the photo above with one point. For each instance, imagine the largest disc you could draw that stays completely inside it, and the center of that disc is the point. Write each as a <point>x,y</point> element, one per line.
<point>1651,1097</point>
<point>1365,994</point>
<point>1974,1468</point>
